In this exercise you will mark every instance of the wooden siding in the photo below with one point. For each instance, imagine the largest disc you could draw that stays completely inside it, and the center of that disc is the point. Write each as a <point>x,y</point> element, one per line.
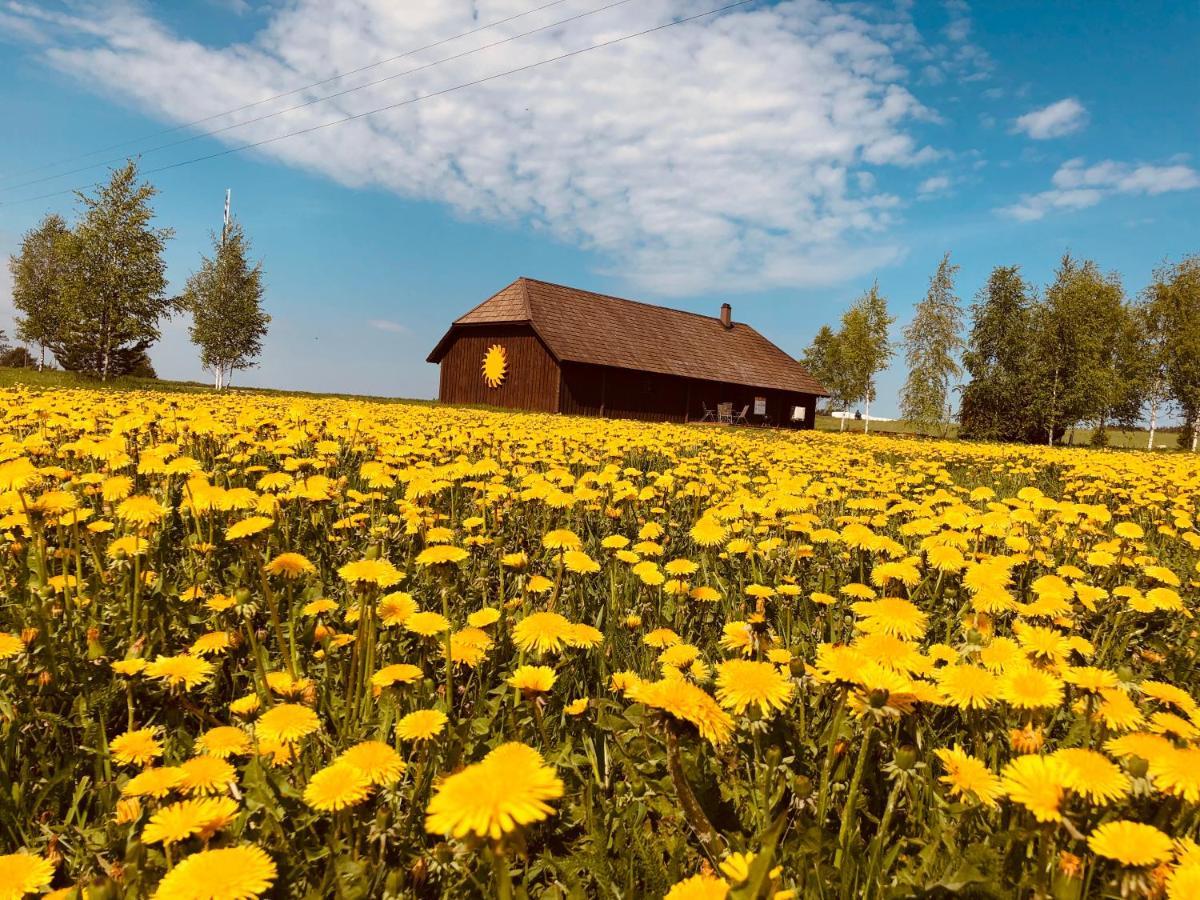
<point>531,381</point>
<point>589,390</point>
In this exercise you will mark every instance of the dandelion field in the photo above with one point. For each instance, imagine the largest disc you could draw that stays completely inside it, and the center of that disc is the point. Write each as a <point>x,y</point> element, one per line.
<point>327,648</point>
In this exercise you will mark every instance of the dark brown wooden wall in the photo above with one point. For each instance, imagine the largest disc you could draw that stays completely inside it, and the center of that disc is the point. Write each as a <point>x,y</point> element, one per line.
<point>531,381</point>
<point>589,390</point>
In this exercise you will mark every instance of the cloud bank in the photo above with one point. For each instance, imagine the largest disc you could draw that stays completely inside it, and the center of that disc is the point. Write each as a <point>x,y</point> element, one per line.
<point>736,152</point>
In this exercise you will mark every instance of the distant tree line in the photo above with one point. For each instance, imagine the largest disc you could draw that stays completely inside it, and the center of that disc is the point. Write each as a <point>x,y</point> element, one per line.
<point>94,293</point>
<point>1037,365</point>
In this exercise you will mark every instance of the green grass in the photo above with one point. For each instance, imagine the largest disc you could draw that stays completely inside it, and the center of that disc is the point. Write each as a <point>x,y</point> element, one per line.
<point>1135,438</point>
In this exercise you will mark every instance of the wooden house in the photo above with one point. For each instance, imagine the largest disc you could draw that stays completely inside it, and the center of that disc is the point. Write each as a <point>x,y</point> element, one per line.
<point>541,346</point>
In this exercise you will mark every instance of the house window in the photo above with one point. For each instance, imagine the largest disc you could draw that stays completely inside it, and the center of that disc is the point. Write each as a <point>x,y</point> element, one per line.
<point>799,413</point>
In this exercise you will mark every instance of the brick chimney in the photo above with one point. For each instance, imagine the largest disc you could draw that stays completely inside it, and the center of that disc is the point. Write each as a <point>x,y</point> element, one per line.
<point>726,315</point>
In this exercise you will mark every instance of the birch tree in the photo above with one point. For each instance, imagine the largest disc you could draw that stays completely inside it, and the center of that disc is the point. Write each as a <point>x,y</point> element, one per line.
<point>1174,297</point>
<point>932,342</point>
<point>865,346</point>
<point>823,359</point>
<point>38,271</point>
<point>114,280</point>
<point>224,298</point>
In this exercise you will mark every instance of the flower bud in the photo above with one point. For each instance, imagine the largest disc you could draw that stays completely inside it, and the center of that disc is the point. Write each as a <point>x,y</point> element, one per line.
<point>905,758</point>
<point>1137,766</point>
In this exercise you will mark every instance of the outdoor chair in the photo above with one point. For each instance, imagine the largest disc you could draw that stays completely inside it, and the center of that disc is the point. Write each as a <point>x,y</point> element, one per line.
<point>710,415</point>
<point>740,418</point>
<point>725,413</point>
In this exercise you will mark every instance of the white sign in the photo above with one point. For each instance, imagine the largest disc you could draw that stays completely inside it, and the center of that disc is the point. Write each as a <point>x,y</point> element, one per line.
<point>760,406</point>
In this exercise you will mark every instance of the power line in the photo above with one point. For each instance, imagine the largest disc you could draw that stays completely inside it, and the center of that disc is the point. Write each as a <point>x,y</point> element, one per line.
<point>315,100</point>
<point>336,76</point>
<point>431,95</point>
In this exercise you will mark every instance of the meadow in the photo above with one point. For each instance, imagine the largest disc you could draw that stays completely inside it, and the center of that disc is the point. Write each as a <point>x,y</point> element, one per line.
<point>267,646</point>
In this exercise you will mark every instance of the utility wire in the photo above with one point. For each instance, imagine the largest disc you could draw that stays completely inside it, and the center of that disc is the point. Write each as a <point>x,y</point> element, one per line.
<point>371,112</point>
<point>315,100</point>
<point>289,93</point>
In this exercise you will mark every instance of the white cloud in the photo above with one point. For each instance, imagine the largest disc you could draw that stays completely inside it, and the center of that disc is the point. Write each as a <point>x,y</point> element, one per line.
<point>721,154</point>
<point>1078,185</point>
<point>935,184</point>
<point>1056,120</point>
<point>388,325</point>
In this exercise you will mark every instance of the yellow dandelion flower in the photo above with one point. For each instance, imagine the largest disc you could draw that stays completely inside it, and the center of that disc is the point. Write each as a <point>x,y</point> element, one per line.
<point>421,725</point>
<point>248,527</point>
<point>1037,783</point>
<point>1093,776</point>
<point>533,680</point>
<point>699,887</point>
<point>337,786</point>
<point>742,683</point>
<point>244,873</point>
<point>206,775</point>
<point>427,624</point>
<point>397,673</point>
<point>23,873</point>
<point>139,747</point>
<point>290,565</point>
<point>510,788</point>
<point>441,554</point>
<point>1130,843</point>
<point>182,820</point>
<point>370,571</point>
<point>224,741</point>
<point>176,671</point>
<point>287,723</point>
<point>542,632</point>
<point>375,759</point>
<point>685,702</point>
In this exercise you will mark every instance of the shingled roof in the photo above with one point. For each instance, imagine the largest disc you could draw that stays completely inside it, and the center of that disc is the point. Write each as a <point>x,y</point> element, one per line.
<point>583,327</point>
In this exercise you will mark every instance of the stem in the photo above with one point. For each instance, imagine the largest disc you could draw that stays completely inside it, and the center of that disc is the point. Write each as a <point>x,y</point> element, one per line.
<point>709,837</point>
<point>503,881</point>
<point>827,767</point>
<point>849,810</point>
<point>873,875</point>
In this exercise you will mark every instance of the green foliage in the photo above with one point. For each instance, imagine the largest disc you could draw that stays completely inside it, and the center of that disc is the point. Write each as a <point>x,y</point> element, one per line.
<point>37,289</point>
<point>1172,302</point>
<point>932,341</point>
<point>112,282</point>
<point>997,357</point>
<point>823,359</point>
<point>225,300</point>
<point>864,344</point>
<point>1074,348</point>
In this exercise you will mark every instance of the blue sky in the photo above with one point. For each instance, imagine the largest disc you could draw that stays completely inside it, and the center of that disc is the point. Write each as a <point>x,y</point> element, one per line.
<point>780,156</point>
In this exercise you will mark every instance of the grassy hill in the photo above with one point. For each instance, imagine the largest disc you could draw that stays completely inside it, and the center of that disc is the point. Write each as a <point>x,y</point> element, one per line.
<point>54,378</point>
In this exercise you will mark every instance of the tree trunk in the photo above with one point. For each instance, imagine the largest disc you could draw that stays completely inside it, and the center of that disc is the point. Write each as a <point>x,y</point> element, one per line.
<point>1153,423</point>
<point>842,425</point>
<point>42,359</point>
<point>1195,435</point>
<point>867,416</point>
<point>105,346</point>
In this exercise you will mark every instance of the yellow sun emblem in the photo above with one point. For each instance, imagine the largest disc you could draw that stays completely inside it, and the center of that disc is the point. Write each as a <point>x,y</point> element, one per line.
<point>495,364</point>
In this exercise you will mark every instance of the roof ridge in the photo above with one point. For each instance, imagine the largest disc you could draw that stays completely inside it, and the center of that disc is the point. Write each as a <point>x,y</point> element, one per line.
<point>524,299</point>
<point>674,309</point>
